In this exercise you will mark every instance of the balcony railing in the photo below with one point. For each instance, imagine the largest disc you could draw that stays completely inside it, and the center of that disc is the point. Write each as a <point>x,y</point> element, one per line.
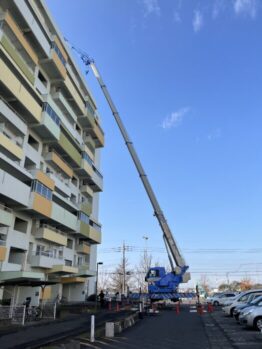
<point>52,228</point>
<point>42,190</point>
<point>58,52</point>
<point>50,111</point>
<point>48,254</point>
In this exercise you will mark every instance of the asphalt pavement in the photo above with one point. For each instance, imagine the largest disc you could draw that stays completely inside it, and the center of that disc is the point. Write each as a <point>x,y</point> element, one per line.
<point>164,330</point>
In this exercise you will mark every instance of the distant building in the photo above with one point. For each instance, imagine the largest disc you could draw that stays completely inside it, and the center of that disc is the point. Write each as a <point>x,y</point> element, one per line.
<point>50,139</point>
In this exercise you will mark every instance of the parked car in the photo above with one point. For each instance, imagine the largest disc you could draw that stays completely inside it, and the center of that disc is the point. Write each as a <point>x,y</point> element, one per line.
<point>219,298</point>
<point>254,299</point>
<point>252,316</point>
<point>240,299</point>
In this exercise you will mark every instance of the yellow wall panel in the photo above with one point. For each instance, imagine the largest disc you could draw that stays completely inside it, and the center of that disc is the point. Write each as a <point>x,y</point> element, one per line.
<point>43,178</point>
<point>20,92</point>
<point>2,253</point>
<point>19,34</point>
<point>42,205</point>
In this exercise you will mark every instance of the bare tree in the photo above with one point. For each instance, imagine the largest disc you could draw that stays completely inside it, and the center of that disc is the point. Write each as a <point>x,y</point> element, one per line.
<point>121,277</point>
<point>204,283</point>
<point>141,270</point>
<point>103,280</point>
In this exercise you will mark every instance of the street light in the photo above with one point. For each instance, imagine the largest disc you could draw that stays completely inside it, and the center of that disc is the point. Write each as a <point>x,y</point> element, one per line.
<point>97,265</point>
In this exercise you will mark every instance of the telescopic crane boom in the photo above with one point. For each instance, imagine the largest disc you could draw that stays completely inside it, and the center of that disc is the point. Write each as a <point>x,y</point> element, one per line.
<point>174,254</point>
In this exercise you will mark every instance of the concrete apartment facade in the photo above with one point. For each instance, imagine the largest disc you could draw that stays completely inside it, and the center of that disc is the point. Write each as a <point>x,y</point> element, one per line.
<point>50,139</point>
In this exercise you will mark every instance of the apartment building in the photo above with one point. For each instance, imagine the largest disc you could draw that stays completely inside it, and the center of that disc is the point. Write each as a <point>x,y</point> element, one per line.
<point>50,140</point>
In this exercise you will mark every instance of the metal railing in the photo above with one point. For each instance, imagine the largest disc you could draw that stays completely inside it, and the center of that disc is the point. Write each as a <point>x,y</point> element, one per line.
<point>53,229</point>
<point>49,254</point>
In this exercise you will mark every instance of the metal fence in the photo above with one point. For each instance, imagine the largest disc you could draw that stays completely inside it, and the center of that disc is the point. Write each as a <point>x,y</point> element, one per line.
<point>15,314</point>
<point>48,310</point>
<point>20,314</point>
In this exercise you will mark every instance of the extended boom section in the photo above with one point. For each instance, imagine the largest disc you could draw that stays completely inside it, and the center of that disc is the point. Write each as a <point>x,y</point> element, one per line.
<point>160,284</point>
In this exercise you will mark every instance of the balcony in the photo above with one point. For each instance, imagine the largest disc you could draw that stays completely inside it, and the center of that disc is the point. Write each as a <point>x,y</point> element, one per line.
<point>63,269</point>
<point>97,133</point>
<point>52,235</point>
<point>73,280</point>
<point>12,188</point>
<point>83,249</point>
<point>71,93</point>
<point>88,119</point>
<point>86,207</point>
<point>6,216</point>
<point>17,47</point>
<point>40,205</point>
<point>55,160</point>
<point>12,88</point>
<point>17,239</point>
<point>44,260</point>
<point>86,191</point>
<point>9,147</point>
<point>97,181</point>
<point>65,107</point>
<point>84,271</point>
<point>11,116</point>
<point>89,232</point>
<point>9,21</point>
<point>43,178</point>
<point>64,217</point>
<point>49,127</point>
<point>69,150</point>
<point>55,64</point>
<point>13,53</point>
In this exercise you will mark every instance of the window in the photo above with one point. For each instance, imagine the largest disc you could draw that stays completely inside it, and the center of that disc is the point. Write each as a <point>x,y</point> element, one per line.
<point>20,225</point>
<point>42,78</point>
<point>69,243</point>
<point>97,172</point>
<point>33,142</point>
<point>95,226</point>
<point>42,190</point>
<point>83,217</point>
<point>58,52</point>
<point>86,157</point>
<point>50,111</point>
<point>90,108</point>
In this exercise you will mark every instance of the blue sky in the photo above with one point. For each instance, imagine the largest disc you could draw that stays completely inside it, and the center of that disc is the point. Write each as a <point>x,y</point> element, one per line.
<point>186,78</point>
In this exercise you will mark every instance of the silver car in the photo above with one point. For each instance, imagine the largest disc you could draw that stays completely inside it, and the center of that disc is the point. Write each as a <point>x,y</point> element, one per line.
<point>252,316</point>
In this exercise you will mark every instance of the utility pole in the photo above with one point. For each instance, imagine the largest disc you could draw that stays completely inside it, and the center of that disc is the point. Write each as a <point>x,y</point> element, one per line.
<point>124,268</point>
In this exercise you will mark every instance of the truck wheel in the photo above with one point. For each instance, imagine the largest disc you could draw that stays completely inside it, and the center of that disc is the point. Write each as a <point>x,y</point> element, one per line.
<point>258,323</point>
<point>216,303</point>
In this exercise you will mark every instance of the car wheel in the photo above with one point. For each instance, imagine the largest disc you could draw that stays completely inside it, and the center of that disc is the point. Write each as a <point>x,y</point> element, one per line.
<point>216,303</point>
<point>231,312</point>
<point>258,323</point>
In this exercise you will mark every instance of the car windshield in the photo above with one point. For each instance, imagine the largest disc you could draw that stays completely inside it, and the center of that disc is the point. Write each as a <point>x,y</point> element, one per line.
<point>256,300</point>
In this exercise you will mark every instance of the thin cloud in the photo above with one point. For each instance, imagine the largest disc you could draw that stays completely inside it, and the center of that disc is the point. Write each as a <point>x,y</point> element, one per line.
<point>175,118</point>
<point>151,7</point>
<point>246,7</point>
<point>216,134</point>
<point>177,17</point>
<point>218,7</point>
<point>197,21</point>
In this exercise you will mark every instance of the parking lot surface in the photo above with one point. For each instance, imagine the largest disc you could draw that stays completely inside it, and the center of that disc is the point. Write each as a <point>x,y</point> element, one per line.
<point>238,336</point>
<point>188,330</point>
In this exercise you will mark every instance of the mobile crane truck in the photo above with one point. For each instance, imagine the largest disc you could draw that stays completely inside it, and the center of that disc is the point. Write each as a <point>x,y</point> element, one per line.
<point>161,285</point>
